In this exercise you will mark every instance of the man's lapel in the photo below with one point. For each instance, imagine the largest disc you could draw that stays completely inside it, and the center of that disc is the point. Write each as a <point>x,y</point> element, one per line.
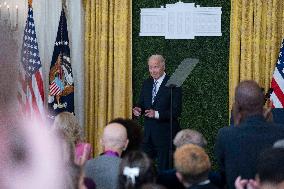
<point>151,82</point>
<point>161,89</point>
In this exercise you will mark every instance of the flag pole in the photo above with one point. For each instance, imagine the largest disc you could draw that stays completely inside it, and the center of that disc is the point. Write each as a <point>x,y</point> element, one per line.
<point>61,28</point>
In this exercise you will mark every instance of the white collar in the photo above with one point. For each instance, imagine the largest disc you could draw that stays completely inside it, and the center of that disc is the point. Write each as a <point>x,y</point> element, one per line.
<point>160,80</point>
<point>204,182</point>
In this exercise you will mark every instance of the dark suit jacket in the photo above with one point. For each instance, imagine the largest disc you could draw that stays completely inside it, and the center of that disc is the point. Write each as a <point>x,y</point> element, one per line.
<point>237,148</point>
<point>169,179</point>
<point>160,127</point>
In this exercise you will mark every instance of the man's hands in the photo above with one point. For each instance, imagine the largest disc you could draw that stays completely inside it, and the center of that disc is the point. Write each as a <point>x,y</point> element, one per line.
<point>148,113</point>
<point>136,111</point>
<point>246,184</point>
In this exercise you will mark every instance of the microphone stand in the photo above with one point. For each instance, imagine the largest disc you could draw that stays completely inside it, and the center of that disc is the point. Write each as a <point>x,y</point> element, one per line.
<point>172,86</point>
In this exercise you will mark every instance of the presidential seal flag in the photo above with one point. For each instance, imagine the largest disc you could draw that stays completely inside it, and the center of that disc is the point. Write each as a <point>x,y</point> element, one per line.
<point>61,84</point>
<point>31,91</point>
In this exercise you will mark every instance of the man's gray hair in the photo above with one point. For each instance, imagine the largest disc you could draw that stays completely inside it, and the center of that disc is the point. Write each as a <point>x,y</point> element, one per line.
<point>158,57</point>
<point>189,136</point>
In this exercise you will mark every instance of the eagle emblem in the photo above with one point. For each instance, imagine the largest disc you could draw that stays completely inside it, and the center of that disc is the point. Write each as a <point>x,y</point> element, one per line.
<point>61,81</point>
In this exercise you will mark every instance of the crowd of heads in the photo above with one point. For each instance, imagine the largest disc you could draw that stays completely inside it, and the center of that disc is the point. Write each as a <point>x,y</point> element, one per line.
<point>24,149</point>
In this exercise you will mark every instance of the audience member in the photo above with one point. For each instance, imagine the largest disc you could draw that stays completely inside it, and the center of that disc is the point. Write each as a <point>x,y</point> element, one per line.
<point>189,136</point>
<point>186,136</point>
<point>104,169</point>
<point>134,133</point>
<point>31,157</point>
<point>269,172</point>
<point>76,177</point>
<point>192,167</point>
<point>237,148</point>
<point>69,126</point>
<point>136,169</point>
<point>73,172</point>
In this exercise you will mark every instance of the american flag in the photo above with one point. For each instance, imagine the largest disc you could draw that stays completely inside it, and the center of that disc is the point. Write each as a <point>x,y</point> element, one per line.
<point>31,91</point>
<point>277,83</point>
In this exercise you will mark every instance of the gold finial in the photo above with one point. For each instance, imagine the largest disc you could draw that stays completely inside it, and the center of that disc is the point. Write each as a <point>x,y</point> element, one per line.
<point>30,2</point>
<point>64,3</point>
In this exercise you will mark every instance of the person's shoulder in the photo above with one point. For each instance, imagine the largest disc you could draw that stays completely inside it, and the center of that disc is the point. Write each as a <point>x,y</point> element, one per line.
<point>277,127</point>
<point>103,159</point>
<point>227,129</point>
<point>147,82</point>
<point>90,165</point>
<point>227,132</point>
<point>92,161</point>
<point>110,159</point>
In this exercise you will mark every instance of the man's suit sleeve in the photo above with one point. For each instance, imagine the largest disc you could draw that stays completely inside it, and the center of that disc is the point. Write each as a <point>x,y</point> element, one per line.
<point>141,102</point>
<point>177,106</point>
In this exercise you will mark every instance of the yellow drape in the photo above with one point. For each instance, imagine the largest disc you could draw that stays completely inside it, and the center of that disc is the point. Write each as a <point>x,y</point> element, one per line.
<point>257,28</point>
<point>108,69</point>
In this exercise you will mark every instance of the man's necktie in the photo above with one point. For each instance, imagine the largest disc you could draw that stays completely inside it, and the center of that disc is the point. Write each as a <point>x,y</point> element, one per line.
<point>154,91</point>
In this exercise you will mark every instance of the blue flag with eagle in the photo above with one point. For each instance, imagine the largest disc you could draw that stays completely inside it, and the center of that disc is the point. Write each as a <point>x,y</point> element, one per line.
<point>61,83</point>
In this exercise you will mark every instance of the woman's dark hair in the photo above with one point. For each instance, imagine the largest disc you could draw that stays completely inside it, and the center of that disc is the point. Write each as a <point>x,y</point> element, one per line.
<point>139,162</point>
<point>270,167</point>
<point>134,134</point>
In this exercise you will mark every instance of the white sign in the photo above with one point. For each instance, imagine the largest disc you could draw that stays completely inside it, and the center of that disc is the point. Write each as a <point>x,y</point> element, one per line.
<point>181,21</point>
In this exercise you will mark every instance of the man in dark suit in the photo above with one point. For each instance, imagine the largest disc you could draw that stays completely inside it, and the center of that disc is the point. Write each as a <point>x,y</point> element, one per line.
<point>238,147</point>
<point>154,104</point>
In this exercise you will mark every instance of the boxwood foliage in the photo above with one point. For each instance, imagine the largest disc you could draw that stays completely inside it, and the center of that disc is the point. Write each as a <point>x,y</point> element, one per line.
<point>205,91</point>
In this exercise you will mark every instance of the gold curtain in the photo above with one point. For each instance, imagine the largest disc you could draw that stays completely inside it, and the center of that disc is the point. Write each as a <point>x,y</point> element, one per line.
<point>108,69</point>
<point>257,28</point>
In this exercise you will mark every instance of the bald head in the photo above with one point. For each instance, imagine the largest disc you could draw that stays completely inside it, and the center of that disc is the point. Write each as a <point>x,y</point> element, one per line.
<point>249,97</point>
<point>115,137</point>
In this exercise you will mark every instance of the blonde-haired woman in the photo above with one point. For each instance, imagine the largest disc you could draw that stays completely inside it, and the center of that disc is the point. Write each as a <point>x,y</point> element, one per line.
<point>67,124</point>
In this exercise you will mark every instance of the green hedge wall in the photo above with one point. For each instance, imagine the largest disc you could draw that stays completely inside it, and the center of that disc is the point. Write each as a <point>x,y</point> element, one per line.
<point>205,92</point>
